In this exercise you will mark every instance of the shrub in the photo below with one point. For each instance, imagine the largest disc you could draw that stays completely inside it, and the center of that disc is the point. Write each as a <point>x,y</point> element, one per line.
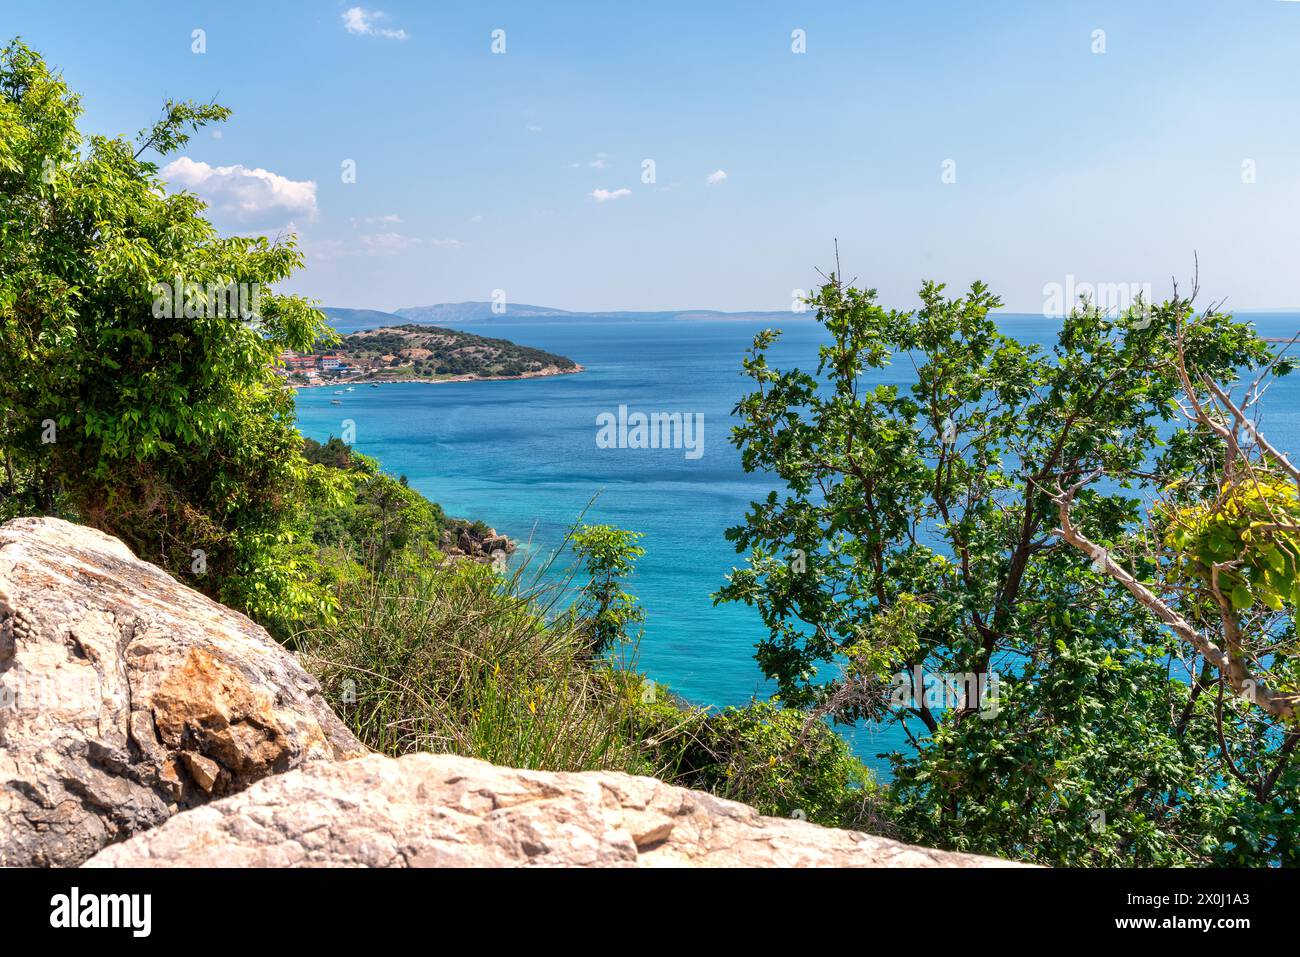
<point>776,759</point>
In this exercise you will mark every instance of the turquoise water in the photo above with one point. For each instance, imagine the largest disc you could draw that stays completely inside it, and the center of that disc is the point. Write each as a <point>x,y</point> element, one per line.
<point>522,456</point>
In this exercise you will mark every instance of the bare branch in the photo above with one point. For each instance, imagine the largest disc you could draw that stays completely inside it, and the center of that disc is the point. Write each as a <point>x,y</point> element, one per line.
<point>1233,667</point>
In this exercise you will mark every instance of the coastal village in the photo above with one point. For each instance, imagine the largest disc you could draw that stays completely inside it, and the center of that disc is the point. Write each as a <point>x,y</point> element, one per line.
<point>314,369</point>
<point>414,353</point>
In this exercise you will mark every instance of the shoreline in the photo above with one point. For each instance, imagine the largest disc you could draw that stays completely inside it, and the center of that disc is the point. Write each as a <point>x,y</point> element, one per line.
<point>370,380</point>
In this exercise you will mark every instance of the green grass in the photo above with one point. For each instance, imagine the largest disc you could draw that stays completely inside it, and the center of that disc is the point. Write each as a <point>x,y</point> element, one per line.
<point>451,658</point>
<point>456,659</point>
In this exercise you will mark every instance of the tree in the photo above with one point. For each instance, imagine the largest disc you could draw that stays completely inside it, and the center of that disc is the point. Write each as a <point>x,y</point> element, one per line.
<point>1219,566</point>
<point>137,350</point>
<point>609,556</point>
<point>918,533</point>
<point>1224,540</point>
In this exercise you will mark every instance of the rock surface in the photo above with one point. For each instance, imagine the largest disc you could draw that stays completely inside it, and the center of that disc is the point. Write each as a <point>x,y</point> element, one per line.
<point>464,539</point>
<point>126,696</point>
<point>426,810</point>
<point>143,724</point>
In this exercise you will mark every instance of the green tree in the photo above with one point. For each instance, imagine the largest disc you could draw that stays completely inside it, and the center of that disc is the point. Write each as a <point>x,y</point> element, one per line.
<point>919,530</point>
<point>137,389</point>
<point>609,557</point>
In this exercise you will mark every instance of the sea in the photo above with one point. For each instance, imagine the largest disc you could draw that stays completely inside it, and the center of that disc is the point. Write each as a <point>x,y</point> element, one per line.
<point>527,457</point>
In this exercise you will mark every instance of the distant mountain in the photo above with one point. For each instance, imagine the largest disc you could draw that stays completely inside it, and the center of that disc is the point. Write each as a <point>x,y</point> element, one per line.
<point>352,320</point>
<point>455,313</point>
<point>475,312</point>
<point>347,321</point>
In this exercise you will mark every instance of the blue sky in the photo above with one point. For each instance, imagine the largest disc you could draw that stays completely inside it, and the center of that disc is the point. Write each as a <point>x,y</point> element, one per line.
<point>478,171</point>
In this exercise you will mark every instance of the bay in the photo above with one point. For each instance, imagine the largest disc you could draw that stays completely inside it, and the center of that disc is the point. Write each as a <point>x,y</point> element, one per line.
<point>522,455</point>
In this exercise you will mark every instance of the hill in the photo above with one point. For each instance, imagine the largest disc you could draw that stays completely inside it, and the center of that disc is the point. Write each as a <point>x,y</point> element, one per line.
<point>467,312</point>
<point>351,320</point>
<point>476,312</point>
<point>429,353</point>
<point>346,321</point>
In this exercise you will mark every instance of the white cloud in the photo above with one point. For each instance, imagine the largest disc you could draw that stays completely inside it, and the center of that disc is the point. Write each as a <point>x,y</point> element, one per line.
<point>390,244</point>
<point>365,23</point>
<point>604,195</point>
<point>389,218</point>
<point>248,194</point>
<point>533,128</point>
<point>324,249</point>
<point>387,244</point>
<point>599,162</point>
<point>716,177</point>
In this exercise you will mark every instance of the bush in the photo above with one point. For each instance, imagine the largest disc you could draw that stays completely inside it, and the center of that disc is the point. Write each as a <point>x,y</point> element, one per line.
<point>776,759</point>
<point>132,397</point>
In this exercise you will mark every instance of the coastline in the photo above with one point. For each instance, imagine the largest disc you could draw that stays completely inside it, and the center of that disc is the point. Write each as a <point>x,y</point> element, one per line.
<point>373,380</point>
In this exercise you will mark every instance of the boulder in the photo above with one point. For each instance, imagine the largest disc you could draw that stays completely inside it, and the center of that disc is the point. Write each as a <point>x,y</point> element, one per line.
<point>426,810</point>
<point>126,696</point>
<point>463,539</point>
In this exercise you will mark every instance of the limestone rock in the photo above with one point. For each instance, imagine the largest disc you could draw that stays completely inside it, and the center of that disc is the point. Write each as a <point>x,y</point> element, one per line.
<point>426,810</point>
<point>126,696</point>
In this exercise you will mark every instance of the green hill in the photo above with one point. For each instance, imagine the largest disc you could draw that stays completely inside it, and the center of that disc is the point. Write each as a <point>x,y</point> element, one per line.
<point>431,352</point>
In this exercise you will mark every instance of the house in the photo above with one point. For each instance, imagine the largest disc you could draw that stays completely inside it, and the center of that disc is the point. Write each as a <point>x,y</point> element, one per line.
<point>298,363</point>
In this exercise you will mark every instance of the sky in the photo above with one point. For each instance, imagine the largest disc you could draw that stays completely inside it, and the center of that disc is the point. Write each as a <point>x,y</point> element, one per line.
<point>1028,143</point>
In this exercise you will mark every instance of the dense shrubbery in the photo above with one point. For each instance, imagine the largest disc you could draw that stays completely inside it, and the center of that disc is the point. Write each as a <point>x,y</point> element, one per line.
<point>168,430</point>
<point>459,659</point>
<point>433,654</point>
<point>770,757</point>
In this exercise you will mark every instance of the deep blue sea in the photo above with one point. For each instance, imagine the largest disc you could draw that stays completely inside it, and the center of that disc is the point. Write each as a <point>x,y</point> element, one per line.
<point>522,456</point>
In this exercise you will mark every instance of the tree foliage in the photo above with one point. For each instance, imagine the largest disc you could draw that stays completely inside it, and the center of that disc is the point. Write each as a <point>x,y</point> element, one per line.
<point>166,427</point>
<point>608,555</point>
<point>918,529</point>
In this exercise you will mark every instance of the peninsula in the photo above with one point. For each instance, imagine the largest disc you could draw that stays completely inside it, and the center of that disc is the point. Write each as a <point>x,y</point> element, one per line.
<point>419,353</point>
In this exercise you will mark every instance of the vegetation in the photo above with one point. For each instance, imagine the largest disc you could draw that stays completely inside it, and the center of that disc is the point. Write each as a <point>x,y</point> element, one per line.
<point>769,757</point>
<point>920,530</point>
<point>164,427</point>
<point>430,352</point>
<point>458,658</point>
<point>1102,527</point>
<point>609,555</point>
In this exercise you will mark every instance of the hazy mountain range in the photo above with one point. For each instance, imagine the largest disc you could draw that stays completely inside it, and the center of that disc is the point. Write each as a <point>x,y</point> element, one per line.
<point>456,313</point>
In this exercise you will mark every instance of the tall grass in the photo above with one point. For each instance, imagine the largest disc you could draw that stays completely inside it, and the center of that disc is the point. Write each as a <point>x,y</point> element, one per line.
<point>427,655</point>
<point>454,658</point>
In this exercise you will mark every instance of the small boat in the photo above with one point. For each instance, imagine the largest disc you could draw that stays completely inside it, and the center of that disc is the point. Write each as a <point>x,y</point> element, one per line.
<point>336,401</point>
<point>352,388</point>
<point>374,385</point>
<point>338,391</point>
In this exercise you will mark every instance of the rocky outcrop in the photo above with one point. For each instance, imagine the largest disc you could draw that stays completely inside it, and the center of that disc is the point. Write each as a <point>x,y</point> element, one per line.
<point>136,713</point>
<point>126,696</point>
<point>426,810</point>
<point>461,539</point>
